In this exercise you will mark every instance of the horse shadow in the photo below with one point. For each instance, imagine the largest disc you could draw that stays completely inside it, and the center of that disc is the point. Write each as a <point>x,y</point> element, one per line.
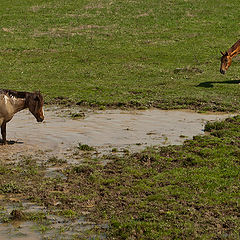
<point>210,84</point>
<point>11,142</point>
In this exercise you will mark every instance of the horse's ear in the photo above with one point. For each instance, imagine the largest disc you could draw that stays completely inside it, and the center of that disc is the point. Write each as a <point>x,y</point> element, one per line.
<point>37,98</point>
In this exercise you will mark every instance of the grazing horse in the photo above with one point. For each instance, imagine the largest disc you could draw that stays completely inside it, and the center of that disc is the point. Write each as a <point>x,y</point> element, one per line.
<point>12,102</point>
<point>226,59</point>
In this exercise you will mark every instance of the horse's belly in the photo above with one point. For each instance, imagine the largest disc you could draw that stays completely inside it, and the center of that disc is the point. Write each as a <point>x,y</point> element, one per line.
<point>4,119</point>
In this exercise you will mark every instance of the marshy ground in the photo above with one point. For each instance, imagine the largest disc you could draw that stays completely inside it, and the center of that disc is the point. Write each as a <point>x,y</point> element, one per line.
<point>88,174</point>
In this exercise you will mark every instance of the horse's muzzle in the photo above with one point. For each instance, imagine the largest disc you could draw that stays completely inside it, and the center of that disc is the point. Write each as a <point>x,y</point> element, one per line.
<point>222,71</point>
<point>40,119</point>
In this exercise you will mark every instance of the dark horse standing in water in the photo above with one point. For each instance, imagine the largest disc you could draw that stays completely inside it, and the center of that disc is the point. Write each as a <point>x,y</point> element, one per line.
<point>12,102</point>
<point>226,59</point>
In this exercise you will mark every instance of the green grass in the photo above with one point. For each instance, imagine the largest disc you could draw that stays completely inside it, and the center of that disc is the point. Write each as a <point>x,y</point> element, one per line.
<point>85,147</point>
<point>126,53</point>
<point>121,53</point>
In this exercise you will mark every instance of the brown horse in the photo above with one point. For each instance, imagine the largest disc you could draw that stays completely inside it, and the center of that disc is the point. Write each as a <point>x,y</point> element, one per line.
<point>226,59</point>
<point>12,102</point>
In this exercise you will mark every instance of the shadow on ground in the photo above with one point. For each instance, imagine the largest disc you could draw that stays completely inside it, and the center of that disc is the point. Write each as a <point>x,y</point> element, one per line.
<point>211,84</point>
<point>11,142</point>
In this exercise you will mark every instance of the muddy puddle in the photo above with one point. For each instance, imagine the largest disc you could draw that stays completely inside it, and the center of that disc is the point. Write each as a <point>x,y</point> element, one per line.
<point>51,227</point>
<point>56,141</point>
<point>103,130</point>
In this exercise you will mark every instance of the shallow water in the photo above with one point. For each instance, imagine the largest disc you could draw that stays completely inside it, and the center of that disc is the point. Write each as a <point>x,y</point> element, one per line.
<point>103,130</point>
<point>53,227</point>
<point>19,231</point>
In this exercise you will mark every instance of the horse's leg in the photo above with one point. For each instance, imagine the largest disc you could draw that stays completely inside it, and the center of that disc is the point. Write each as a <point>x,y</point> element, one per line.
<point>4,132</point>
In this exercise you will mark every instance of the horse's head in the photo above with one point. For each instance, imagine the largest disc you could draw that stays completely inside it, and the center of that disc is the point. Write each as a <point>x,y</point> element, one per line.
<point>35,105</point>
<point>226,61</point>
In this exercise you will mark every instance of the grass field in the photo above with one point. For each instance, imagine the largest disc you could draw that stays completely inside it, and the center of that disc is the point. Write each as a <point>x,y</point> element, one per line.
<point>132,53</point>
<point>121,53</point>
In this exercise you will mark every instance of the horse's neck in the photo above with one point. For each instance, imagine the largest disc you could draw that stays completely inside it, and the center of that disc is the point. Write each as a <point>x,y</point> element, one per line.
<point>235,49</point>
<point>18,104</point>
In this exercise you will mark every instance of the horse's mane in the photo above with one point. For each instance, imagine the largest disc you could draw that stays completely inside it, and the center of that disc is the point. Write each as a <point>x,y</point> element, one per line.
<point>13,93</point>
<point>234,47</point>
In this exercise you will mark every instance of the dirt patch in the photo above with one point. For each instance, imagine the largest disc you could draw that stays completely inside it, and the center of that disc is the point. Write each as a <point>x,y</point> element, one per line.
<point>59,32</point>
